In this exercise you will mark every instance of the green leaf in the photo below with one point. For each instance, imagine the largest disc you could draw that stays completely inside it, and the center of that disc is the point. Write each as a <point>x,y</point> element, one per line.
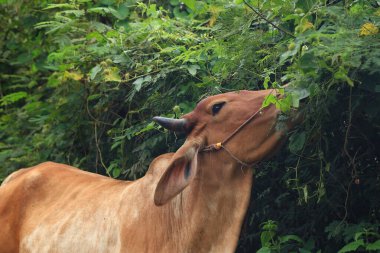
<point>180,14</point>
<point>73,75</point>
<point>266,81</point>
<point>99,10</point>
<point>94,96</point>
<point>94,71</point>
<point>305,4</point>
<point>352,246</point>
<point>297,141</point>
<point>266,237</point>
<point>122,12</point>
<point>60,6</point>
<point>297,94</point>
<point>270,99</point>
<point>12,98</point>
<point>112,75</point>
<point>138,83</point>
<point>373,246</point>
<point>120,59</point>
<point>264,250</point>
<point>174,2</point>
<point>291,52</point>
<point>147,128</point>
<point>193,69</point>
<point>358,235</point>
<point>116,172</point>
<point>287,238</point>
<point>305,193</point>
<point>189,3</point>
<point>342,74</point>
<point>295,100</point>
<point>308,63</point>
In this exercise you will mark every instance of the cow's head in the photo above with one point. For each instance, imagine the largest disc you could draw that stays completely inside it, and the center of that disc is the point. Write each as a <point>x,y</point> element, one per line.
<point>212,121</point>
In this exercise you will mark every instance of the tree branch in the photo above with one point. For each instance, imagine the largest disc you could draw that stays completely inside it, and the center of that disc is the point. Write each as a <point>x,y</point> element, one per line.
<point>267,20</point>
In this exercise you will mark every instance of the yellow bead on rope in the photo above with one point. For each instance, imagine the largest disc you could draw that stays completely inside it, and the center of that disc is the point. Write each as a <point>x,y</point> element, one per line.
<point>218,145</point>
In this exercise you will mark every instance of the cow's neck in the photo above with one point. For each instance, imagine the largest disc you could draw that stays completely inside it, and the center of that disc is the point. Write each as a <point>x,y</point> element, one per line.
<point>217,201</point>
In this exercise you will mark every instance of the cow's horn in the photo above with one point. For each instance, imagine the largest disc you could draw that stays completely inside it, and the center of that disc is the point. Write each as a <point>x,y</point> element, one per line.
<point>177,125</point>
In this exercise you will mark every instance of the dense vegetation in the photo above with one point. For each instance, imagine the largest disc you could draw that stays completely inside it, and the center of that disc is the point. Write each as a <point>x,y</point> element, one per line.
<point>80,81</point>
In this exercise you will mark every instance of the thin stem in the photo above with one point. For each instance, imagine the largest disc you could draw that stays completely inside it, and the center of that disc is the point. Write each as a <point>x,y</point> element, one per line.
<point>267,20</point>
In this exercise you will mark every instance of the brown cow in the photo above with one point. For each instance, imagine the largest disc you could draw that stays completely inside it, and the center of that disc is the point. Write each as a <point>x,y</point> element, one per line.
<point>193,200</point>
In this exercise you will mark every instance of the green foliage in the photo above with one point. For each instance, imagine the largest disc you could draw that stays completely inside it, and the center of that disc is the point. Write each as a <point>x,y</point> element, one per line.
<point>81,80</point>
<point>272,242</point>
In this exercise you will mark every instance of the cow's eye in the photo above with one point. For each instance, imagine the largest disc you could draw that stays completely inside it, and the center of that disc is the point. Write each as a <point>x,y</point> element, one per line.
<point>216,108</point>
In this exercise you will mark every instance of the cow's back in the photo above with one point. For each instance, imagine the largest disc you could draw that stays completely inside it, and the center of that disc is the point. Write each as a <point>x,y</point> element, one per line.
<point>55,208</point>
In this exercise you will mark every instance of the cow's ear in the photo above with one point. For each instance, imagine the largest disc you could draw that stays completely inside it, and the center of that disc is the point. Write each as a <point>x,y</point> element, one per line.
<point>180,172</point>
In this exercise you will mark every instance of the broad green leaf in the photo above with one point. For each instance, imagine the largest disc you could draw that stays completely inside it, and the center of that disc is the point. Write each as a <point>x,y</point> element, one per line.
<point>358,235</point>
<point>120,59</point>
<point>284,104</point>
<point>180,14</point>
<point>305,4</point>
<point>297,141</point>
<point>193,69</point>
<point>297,94</point>
<point>116,172</point>
<point>373,246</point>
<point>174,2</point>
<point>270,99</point>
<point>94,71</point>
<point>189,3</point>
<point>302,93</point>
<point>295,100</point>
<point>121,13</point>
<point>138,83</point>
<point>352,246</point>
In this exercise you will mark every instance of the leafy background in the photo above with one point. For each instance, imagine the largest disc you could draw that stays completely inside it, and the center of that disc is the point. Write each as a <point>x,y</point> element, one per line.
<point>80,81</point>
